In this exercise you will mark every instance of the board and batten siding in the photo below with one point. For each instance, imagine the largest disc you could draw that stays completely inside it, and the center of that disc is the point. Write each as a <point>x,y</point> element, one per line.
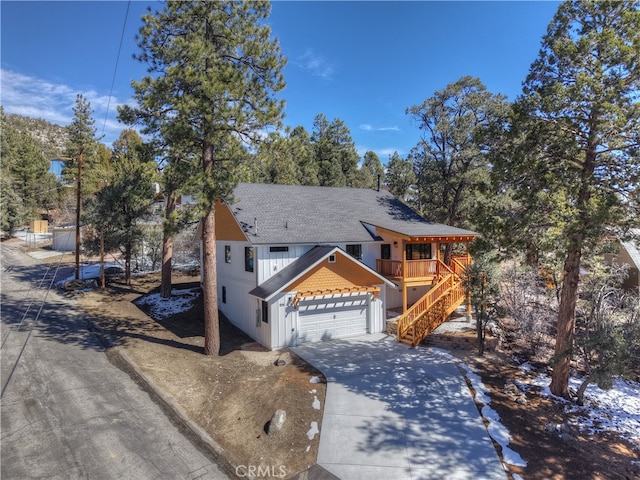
<point>377,313</point>
<point>242,309</point>
<point>269,263</point>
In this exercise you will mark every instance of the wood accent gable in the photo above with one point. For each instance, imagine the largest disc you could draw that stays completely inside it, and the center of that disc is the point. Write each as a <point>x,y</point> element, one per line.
<point>344,274</point>
<point>227,227</point>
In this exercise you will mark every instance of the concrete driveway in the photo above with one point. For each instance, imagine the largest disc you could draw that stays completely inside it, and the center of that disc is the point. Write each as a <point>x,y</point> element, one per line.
<point>395,412</point>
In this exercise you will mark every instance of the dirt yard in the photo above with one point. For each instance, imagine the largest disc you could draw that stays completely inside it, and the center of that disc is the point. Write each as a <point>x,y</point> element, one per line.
<point>233,396</point>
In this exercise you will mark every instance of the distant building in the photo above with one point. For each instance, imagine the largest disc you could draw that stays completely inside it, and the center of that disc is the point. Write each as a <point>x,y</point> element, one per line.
<point>57,165</point>
<point>629,254</point>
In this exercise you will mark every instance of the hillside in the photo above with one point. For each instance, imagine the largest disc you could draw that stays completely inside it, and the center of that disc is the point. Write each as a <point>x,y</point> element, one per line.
<point>52,137</point>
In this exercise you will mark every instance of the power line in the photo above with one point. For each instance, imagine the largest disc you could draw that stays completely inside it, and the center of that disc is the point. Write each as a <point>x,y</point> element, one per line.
<point>115,70</point>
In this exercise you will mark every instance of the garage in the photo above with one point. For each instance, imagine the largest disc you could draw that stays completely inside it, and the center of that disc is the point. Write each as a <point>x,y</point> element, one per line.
<point>333,317</point>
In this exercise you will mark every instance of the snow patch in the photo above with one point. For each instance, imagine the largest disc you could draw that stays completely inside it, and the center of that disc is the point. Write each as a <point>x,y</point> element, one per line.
<point>617,409</point>
<point>180,301</point>
<point>313,431</point>
<point>496,429</point>
<point>314,379</point>
<point>316,403</point>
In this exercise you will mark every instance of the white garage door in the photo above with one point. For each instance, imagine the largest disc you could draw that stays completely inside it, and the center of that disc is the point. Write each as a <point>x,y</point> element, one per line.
<point>332,317</point>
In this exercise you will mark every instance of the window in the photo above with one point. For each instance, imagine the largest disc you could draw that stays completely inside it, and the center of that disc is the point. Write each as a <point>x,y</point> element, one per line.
<point>355,251</point>
<point>227,254</point>
<point>418,251</point>
<point>224,294</point>
<point>332,259</point>
<point>385,251</point>
<point>265,312</point>
<point>278,249</point>
<point>248,259</point>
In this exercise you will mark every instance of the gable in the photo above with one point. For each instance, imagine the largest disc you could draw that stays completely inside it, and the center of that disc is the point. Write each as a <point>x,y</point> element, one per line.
<point>227,227</point>
<point>313,270</point>
<point>344,273</point>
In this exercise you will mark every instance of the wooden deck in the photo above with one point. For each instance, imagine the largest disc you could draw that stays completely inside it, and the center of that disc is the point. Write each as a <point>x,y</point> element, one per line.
<point>436,305</point>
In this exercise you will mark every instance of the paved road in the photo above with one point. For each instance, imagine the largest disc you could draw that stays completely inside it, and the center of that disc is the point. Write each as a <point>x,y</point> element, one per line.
<point>67,412</point>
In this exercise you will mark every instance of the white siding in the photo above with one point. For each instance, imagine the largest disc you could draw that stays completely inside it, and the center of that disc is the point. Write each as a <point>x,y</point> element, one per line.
<point>370,252</point>
<point>242,309</point>
<point>64,239</point>
<point>284,328</point>
<point>377,312</point>
<point>269,263</point>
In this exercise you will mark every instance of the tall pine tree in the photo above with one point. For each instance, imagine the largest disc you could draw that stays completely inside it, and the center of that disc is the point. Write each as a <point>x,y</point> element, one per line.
<point>214,71</point>
<point>578,135</point>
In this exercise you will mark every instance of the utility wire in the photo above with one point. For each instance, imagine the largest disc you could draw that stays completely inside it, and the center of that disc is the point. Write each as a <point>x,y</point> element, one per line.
<point>34,324</point>
<point>115,70</point>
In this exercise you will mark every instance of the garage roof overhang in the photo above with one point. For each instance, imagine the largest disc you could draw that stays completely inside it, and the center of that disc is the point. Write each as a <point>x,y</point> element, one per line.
<point>305,264</point>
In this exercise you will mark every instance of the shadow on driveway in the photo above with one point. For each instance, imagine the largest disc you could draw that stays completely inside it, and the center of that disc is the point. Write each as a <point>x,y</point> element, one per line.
<point>392,411</point>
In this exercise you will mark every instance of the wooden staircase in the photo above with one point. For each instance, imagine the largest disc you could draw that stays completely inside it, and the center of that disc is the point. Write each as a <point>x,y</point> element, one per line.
<point>433,309</point>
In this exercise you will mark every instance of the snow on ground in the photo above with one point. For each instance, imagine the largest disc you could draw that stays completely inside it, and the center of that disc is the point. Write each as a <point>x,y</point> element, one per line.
<point>313,431</point>
<point>496,429</point>
<point>616,410</point>
<point>89,271</point>
<point>180,301</point>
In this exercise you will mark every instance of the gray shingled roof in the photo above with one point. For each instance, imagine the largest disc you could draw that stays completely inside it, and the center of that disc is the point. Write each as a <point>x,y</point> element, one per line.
<point>292,271</point>
<point>632,247</point>
<point>285,214</point>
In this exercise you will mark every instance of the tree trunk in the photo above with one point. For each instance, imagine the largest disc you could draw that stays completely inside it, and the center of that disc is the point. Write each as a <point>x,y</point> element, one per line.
<point>581,390</point>
<point>566,319</point>
<point>209,287</point>
<point>448,254</point>
<point>571,278</point>
<point>167,246</point>
<point>209,273</point>
<point>127,263</point>
<point>480,334</point>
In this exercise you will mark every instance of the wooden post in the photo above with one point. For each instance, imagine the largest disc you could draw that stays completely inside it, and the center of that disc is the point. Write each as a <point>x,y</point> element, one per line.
<point>404,276</point>
<point>102,279</point>
<point>468,293</point>
<point>78,203</point>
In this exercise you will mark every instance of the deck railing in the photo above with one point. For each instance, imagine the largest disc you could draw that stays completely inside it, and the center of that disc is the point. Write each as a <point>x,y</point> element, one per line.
<point>425,303</point>
<point>415,268</point>
<point>459,264</point>
<point>434,307</point>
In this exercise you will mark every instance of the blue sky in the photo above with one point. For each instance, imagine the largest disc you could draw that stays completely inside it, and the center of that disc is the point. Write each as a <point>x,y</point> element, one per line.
<point>362,62</point>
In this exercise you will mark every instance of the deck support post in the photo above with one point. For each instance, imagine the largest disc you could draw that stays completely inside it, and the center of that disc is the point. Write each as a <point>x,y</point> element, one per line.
<point>468,295</point>
<point>404,276</point>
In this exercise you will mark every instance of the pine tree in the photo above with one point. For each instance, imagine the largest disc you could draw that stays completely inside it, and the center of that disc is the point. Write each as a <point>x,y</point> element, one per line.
<point>82,135</point>
<point>214,73</point>
<point>451,161</point>
<point>578,133</point>
<point>335,152</point>
<point>119,207</point>
<point>400,178</point>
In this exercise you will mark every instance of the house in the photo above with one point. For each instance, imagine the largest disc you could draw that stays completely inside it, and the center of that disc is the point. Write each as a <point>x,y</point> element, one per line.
<point>303,263</point>
<point>629,254</point>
